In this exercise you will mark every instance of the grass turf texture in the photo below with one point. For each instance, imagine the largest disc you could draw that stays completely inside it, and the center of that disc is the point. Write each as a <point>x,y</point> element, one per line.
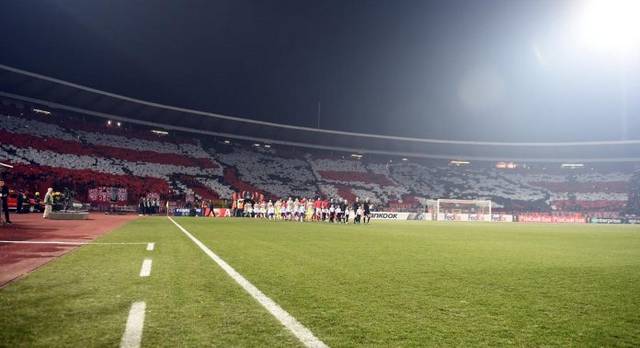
<point>387,284</point>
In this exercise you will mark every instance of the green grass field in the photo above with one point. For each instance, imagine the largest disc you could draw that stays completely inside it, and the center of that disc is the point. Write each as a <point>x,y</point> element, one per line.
<point>386,284</point>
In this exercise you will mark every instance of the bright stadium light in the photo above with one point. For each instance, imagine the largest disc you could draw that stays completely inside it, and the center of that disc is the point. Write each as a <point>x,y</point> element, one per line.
<point>40,111</point>
<point>459,163</point>
<point>610,25</point>
<point>572,165</point>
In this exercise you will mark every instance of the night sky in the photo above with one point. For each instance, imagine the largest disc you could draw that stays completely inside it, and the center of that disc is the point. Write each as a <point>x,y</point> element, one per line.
<point>473,70</point>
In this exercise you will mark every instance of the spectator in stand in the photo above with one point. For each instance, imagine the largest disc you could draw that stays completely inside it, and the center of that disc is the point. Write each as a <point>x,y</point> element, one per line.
<point>48,203</point>
<point>4,194</point>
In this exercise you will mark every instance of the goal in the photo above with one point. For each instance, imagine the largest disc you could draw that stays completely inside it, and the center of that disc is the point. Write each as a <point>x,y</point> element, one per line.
<point>458,210</point>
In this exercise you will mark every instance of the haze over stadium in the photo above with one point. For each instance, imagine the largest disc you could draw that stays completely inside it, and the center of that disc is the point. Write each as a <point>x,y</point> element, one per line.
<point>335,173</point>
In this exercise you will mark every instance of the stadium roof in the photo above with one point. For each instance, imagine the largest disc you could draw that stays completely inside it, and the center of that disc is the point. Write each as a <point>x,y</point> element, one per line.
<point>66,96</point>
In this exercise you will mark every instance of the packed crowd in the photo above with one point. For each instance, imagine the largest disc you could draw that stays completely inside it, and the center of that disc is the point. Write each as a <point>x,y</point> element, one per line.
<point>60,152</point>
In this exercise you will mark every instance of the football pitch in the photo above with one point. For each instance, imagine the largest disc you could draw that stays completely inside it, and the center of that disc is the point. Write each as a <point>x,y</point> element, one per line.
<point>384,284</point>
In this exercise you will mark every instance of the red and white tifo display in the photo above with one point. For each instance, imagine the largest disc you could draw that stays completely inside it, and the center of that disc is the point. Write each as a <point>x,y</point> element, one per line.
<point>100,163</point>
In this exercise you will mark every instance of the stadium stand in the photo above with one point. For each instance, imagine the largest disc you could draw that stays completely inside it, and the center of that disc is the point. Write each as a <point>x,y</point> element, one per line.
<point>264,169</point>
<point>64,151</point>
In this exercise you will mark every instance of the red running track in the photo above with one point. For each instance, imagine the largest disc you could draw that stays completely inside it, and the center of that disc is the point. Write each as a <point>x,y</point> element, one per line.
<point>17,260</point>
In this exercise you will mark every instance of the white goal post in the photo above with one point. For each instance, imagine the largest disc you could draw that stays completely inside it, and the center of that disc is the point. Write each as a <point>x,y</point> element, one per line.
<point>458,210</point>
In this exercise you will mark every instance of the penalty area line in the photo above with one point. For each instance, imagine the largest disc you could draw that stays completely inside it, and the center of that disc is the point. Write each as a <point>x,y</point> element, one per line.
<point>292,324</point>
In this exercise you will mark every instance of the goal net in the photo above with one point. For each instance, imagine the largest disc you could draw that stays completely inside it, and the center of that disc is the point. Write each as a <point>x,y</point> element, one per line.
<point>458,210</point>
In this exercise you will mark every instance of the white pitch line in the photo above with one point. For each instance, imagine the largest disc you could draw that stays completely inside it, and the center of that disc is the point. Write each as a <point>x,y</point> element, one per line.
<point>135,323</point>
<point>63,243</point>
<point>292,324</point>
<point>145,270</point>
<point>150,246</point>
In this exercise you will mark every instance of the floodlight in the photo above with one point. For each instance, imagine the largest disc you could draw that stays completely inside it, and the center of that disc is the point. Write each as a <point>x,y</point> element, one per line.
<point>610,25</point>
<point>40,111</point>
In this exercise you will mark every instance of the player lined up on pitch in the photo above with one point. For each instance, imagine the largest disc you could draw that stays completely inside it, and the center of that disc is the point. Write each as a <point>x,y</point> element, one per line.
<point>301,210</point>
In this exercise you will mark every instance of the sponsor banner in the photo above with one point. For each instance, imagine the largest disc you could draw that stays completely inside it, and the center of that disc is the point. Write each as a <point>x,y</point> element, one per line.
<point>464,217</point>
<point>107,194</point>
<point>475,217</point>
<point>633,220</point>
<point>548,218</point>
<point>502,218</point>
<point>221,212</point>
<point>218,212</point>
<point>384,215</point>
<point>596,220</point>
<point>187,212</point>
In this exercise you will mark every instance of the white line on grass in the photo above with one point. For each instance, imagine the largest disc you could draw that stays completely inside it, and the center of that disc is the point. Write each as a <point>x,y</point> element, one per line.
<point>145,270</point>
<point>64,243</point>
<point>300,331</point>
<point>150,246</point>
<point>135,322</point>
